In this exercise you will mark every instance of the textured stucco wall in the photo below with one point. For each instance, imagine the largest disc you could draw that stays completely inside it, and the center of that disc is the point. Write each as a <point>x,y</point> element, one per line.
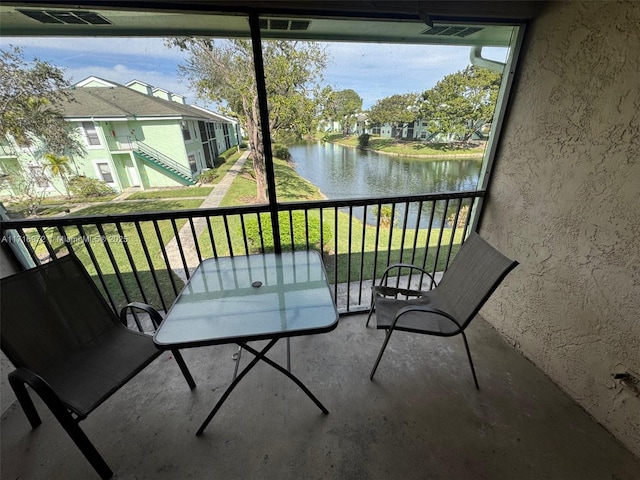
<point>565,202</point>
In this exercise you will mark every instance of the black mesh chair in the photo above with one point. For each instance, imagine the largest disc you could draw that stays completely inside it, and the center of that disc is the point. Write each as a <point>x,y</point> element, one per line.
<point>448,308</point>
<point>69,346</point>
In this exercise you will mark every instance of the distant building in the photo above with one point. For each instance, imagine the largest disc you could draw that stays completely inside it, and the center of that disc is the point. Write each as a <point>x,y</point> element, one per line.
<point>136,136</point>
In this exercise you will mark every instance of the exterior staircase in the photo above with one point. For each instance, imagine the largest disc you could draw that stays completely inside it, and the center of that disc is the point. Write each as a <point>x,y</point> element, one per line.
<point>169,166</point>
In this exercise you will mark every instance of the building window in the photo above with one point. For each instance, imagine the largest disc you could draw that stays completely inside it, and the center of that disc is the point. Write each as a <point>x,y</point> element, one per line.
<point>90,133</point>
<point>227,140</point>
<point>105,172</point>
<point>186,134</point>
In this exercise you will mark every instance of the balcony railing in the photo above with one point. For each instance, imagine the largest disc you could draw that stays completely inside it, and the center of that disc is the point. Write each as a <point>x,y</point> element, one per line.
<point>149,256</point>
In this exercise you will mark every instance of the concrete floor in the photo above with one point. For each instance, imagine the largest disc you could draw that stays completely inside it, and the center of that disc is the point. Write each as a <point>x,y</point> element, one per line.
<point>420,418</point>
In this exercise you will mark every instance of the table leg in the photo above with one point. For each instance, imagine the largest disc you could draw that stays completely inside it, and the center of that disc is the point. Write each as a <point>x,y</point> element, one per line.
<point>235,382</point>
<point>237,356</point>
<point>258,355</point>
<point>286,372</point>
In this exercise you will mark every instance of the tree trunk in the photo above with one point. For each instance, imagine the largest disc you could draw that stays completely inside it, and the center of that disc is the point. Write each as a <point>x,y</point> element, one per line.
<point>261,176</point>
<point>257,153</point>
<point>257,149</point>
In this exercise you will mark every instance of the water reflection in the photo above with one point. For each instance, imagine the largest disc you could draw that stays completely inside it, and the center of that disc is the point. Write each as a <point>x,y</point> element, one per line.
<point>342,172</point>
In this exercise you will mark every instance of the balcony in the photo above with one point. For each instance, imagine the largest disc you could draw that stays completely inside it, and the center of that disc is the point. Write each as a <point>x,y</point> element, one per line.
<point>563,200</point>
<point>421,417</point>
<point>421,414</point>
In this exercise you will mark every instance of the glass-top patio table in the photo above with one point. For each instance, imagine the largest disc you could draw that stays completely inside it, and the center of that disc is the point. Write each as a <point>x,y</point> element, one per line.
<point>256,297</point>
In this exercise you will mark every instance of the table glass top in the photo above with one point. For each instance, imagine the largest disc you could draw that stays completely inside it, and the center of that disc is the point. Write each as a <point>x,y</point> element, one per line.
<point>250,297</point>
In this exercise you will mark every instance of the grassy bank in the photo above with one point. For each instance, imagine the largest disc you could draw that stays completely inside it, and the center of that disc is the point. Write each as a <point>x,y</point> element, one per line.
<point>410,149</point>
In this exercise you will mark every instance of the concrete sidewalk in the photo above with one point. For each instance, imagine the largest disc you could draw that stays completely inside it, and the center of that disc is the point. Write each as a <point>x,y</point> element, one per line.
<point>185,235</point>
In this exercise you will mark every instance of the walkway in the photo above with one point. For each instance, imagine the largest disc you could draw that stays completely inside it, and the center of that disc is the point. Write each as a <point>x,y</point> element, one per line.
<point>185,235</point>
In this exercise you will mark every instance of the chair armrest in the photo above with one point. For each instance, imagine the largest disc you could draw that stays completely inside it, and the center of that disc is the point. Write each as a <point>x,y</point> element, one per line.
<point>425,309</point>
<point>411,267</point>
<point>23,376</point>
<point>156,318</point>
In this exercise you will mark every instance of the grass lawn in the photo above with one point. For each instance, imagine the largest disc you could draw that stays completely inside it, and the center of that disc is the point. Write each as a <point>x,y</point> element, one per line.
<point>53,201</point>
<point>177,192</point>
<point>88,243</point>
<point>391,248</point>
<point>54,205</point>
<point>289,186</point>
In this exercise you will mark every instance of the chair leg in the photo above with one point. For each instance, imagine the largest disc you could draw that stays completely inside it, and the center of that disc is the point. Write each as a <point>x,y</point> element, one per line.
<point>183,367</point>
<point>384,345</point>
<point>369,317</point>
<point>24,399</point>
<point>63,416</point>
<point>473,370</point>
<point>85,446</point>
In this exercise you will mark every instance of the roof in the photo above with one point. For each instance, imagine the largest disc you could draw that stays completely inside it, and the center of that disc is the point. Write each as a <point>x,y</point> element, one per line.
<point>221,118</point>
<point>120,101</point>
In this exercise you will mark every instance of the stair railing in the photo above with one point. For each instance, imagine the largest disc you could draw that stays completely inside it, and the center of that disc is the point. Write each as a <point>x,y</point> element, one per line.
<point>164,159</point>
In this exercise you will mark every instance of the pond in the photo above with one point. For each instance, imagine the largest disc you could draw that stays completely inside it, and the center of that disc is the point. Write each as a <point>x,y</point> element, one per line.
<point>343,172</point>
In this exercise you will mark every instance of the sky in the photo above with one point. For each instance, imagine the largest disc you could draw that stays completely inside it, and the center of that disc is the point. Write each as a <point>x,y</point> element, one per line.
<point>374,71</point>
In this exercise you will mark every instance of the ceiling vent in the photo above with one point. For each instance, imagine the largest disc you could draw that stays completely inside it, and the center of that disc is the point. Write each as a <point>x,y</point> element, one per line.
<point>279,24</point>
<point>451,31</point>
<point>75,17</point>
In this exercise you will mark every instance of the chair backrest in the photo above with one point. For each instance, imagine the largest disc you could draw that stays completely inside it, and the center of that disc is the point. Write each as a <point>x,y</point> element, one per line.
<point>49,311</point>
<point>472,276</point>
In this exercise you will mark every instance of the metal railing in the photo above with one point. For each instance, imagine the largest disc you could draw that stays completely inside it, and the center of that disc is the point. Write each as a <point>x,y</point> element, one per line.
<point>148,257</point>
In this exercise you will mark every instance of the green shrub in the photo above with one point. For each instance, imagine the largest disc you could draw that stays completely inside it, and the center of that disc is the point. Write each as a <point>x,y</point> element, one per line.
<point>208,176</point>
<point>89,187</point>
<point>385,215</point>
<point>281,152</point>
<point>300,233</point>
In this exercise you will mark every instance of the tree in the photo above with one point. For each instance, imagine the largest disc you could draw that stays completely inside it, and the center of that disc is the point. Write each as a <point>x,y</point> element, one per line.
<point>59,167</point>
<point>462,102</point>
<point>223,71</point>
<point>395,110</point>
<point>26,186</point>
<point>31,99</point>
<point>342,105</point>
